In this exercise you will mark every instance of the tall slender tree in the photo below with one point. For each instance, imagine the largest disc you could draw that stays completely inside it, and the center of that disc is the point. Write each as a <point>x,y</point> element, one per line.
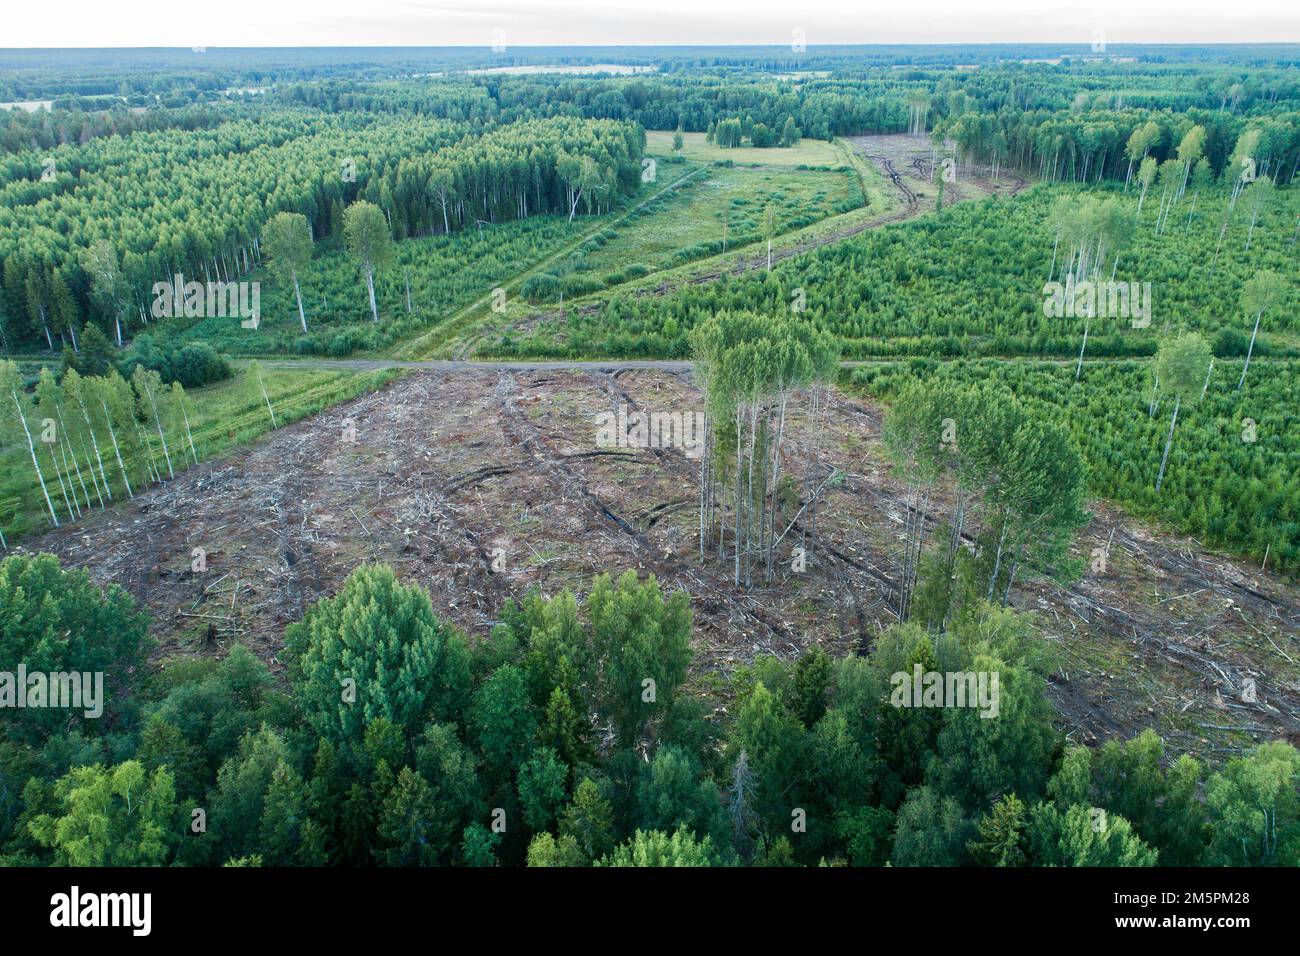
<point>287,242</point>
<point>11,393</point>
<point>1263,291</point>
<point>1182,363</point>
<point>367,235</point>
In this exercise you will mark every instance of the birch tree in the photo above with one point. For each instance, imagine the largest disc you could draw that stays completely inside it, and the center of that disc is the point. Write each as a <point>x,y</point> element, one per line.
<point>11,392</point>
<point>1182,363</point>
<point>1146,176</point>
<point>919,434</point>
<point>49,398</point>
<point>367,236</point>
<point>108,286</point>
<point>1140,142</point>
<point>80,393</point>
<point>1189,151</point>
<point>255,377</point>
<point>74,393</point>
<point>176,399</point>
<point>113,396</point>
<point>287,242</point>
<point>148,389</point>
<point>750,366</point>
<point>769,229</point>
<point>1262,292</point>
<point>1262,194</point>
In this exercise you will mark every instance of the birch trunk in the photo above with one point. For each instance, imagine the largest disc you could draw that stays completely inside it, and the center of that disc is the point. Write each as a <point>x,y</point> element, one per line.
<point>31,448</point>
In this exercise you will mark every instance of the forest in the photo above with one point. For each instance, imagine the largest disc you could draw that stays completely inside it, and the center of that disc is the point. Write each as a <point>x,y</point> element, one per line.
<point>442,752</point>
<point>948,315</point>
<point>59,261</point>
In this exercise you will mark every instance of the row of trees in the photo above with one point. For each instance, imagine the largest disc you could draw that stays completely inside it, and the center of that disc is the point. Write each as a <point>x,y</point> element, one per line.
<point>511,172</point>
<point>1088,146</point>
<point>93,439</point>
<point>568,738</point>
<point>1080,101</point>
<point>733,131</point>
<point>819,107</point>
<point>22,131</point>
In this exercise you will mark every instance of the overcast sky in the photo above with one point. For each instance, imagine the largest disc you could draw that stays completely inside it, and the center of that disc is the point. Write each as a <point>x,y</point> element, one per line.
<point>45,23</point>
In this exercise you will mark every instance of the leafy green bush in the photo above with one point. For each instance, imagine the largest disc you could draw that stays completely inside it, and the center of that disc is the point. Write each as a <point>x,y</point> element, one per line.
<point>193,365</point>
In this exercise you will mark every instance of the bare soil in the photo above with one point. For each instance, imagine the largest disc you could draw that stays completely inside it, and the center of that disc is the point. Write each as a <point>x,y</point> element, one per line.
<point>450,466</point>
<point>908,162</point>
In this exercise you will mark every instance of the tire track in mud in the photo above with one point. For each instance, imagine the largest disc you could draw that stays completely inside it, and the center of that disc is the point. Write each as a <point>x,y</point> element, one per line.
<point>887,164</point>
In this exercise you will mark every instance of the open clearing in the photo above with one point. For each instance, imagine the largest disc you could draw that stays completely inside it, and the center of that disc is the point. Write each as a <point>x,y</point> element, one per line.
<point>690,221</point>
<point>894,174</point>
<point>448,466</point>
<point>695,146</point>
<point>908,162</point>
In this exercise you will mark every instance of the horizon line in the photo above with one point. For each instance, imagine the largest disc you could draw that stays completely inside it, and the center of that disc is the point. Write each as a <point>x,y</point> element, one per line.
<point>702,45</point>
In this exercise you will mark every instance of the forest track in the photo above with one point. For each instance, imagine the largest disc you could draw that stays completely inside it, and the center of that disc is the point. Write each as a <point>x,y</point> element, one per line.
<point>913,205</point>
<point>462,348</point>
<point>888,164</point>
<point>674,366</point>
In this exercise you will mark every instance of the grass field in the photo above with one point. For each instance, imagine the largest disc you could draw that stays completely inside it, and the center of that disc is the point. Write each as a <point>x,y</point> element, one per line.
<point>675,230</point>
<point>696,147</point>
<point>688,224</point>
